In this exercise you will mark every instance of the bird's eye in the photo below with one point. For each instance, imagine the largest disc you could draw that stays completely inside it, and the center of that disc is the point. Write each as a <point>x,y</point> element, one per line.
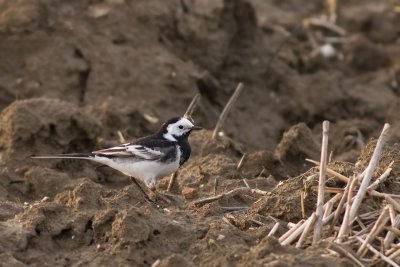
<point>180,126</point>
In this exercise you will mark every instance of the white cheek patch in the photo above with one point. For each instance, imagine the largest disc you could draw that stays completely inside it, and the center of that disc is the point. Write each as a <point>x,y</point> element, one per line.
<point>173,129</point>
<point>169,136</point>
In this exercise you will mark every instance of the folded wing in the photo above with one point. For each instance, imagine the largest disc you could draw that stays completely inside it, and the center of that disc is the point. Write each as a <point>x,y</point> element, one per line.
<point>131,150</point>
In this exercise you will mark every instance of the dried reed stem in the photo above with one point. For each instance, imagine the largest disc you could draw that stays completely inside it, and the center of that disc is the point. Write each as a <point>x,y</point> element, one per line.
<point>321,186</point>
<point>341,204</point>
<point>381,178</point>
<point>390,235</point>
<point>274,229</point>
<point>307,229</point>
<point>328,210</point>
<point>369,172</point>
<point>378,227</point>
<point>342,250</point>
<point>302,200</point>
<point>341,177</point>
<point>291,235</point>
<point>392,213</point>
<point>395,254</point>
<point>387,197</point>
<point>330,7</point>
<point>376,252</point>
<point>346,219</point>
<point>290,231</point>
<point>294,234</point>
<point>226,110</point>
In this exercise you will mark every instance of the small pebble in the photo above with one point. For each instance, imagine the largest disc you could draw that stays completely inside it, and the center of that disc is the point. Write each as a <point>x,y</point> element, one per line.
<point>189,192</point>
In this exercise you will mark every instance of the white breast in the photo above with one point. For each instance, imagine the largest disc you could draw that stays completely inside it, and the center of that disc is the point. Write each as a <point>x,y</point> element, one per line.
<point>146,170</point>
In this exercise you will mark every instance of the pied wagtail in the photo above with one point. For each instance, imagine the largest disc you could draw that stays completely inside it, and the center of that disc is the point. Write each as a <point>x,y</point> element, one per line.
<point>148,158</point>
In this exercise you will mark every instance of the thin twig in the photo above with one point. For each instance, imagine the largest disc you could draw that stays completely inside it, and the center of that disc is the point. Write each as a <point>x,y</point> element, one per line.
<point>215,186</point>
<point>369,172</point>
<point>369,215</point>
<point>246,183</point>
<point>192,106</point>
<point>172,181</point>
<point>321,186</point>
<point>364,231</point>
<point>328,189</point>
<point>257,222</point>
<point>230,193</point>
<point>226,110</point>
<point>241,161</point>
<point>362,225</point>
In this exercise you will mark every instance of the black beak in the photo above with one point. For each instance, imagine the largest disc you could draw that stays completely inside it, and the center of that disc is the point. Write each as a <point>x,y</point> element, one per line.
<point>196,128</point>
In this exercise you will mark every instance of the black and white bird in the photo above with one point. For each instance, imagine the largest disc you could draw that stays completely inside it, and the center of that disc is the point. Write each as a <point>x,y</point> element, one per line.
<point>148,158</point>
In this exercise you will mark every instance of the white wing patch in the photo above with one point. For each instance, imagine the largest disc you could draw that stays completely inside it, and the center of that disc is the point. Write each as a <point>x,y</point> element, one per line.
<point>144,152</point>
<point>131,150</point>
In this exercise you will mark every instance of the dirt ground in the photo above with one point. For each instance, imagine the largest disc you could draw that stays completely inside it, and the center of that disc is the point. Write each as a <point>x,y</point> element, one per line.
<point>74,73</point>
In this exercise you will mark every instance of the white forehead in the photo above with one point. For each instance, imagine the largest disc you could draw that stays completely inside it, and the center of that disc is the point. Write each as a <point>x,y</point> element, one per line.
<point>184,122</point>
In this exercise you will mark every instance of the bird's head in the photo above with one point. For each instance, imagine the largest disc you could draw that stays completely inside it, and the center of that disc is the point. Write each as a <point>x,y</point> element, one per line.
<point>178,128</point>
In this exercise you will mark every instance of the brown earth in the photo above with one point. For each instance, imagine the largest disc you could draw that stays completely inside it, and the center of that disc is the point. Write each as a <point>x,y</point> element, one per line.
<point>74,73</point>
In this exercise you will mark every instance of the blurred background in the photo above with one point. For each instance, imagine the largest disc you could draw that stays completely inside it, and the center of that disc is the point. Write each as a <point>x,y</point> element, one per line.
<point>141,62</point>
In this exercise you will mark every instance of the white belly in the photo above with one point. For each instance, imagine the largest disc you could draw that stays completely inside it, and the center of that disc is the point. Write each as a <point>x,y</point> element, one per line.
<point>146,170</point>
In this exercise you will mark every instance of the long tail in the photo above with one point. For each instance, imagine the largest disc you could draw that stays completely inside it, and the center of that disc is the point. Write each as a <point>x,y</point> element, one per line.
<point>68,156</point>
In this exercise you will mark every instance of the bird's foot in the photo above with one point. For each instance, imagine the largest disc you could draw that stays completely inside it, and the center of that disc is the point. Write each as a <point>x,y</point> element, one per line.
<point>155,198</point>
<point>159,197</point>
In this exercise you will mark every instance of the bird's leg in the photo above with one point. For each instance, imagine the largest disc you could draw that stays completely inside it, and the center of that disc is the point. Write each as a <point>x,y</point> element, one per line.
<point>158,195</point>
<point>145,195</point>
<point>152,187</point>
